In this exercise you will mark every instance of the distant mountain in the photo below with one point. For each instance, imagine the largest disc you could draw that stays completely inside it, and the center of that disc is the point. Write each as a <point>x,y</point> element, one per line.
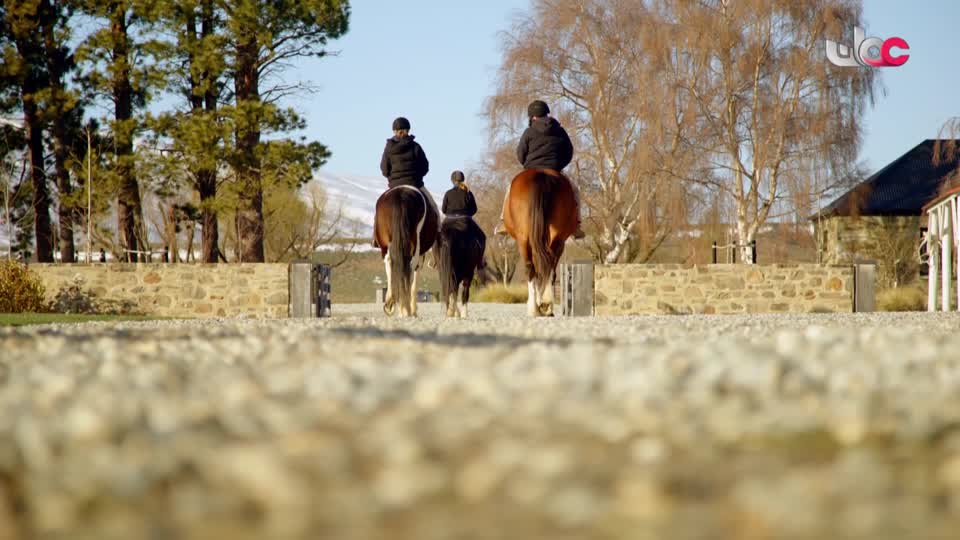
<point>356,195</point>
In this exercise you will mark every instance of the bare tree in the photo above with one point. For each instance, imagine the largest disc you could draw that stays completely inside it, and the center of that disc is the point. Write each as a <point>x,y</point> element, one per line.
<point>604,69</point>
<point>300,222</point>
<point>672,102</point>
<point>772,107</point>
<point>485,182</point>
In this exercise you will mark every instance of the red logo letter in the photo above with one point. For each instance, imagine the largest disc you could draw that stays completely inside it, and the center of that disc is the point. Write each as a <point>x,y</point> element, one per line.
<point>888,58</point>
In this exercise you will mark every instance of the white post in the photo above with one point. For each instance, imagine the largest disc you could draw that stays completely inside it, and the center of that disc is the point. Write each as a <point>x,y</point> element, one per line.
<point>955,207</point>
<point>946,256</point>
<point>6,217</point>
<point>933,259</point>
<point>89,199</point>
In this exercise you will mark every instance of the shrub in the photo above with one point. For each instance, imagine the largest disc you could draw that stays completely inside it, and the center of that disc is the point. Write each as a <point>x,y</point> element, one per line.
<point>21,290</point>
<point>71,298</point>
<point>909,298</point>
<point>74,299</point>
<point>498,294</point>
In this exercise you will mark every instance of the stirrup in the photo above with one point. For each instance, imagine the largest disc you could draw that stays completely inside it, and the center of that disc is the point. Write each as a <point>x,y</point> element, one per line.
<point>501,229</point>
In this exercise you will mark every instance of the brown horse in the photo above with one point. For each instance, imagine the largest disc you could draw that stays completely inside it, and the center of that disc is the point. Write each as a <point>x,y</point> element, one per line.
<point>405,226</point>
<point>540,214</point>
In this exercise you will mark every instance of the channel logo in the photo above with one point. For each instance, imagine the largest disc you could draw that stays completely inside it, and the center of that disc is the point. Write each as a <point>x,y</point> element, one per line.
<point>867,51</point>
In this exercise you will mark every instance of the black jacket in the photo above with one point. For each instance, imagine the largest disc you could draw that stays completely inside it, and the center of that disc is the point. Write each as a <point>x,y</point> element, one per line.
<point>403,162</point>
<point>459,202</point>
<point>545,145</point>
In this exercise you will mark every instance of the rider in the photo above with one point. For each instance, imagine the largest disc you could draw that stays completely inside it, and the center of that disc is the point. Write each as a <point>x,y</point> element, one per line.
<point>544,145</point>
<point>459,202</point>
<point>404,162</point>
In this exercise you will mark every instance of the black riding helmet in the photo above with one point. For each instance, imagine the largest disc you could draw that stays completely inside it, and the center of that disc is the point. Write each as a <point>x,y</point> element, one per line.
<point>401,123</point>
<point>456,177</point>
<point>538,109</point>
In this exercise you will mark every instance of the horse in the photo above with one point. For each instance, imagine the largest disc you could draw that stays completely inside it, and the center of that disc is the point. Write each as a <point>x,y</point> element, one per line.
<point>405,227</point>
<point>461,247</point>
<point>540,214</point>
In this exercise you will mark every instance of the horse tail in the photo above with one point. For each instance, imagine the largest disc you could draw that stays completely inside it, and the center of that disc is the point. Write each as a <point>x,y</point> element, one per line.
<point>541,205</point>
<point>448,272</point>
<point>400,239</point>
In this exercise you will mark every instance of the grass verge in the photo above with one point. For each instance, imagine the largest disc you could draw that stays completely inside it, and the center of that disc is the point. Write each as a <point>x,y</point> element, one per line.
<point>909,298</point>
<point>24,319</point>
<point>498,294</point>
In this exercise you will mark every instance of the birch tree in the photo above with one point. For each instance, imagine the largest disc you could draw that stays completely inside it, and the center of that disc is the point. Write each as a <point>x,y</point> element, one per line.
<point>771,106</point>
<point>602,67</point>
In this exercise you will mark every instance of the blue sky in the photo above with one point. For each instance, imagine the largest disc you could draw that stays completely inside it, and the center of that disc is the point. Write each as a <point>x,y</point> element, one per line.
<point>433,61</point>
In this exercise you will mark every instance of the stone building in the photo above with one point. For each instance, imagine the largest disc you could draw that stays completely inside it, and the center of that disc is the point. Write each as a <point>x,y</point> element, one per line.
<point>879,219</point>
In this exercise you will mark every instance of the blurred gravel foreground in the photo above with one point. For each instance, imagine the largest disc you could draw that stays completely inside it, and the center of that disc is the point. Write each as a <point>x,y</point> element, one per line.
<point>496,427</point>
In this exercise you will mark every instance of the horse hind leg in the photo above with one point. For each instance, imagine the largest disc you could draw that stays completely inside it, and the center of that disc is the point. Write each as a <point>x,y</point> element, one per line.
<point>413,294</point>
<point>389,303</point>
<point>464,298</point>
<point>547,298</point>
<point>524,247</point>
<point>545,305</point>
<point>451,304</point>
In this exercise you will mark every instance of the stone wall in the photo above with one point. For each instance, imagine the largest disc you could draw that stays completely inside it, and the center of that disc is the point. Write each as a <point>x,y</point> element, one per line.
<point>633,289</point>
<point>179,290</point>
<point>890,241</point>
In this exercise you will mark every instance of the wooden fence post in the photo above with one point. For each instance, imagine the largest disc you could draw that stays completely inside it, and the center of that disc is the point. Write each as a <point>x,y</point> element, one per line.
<point>576,289</point>
<point>864,288</point>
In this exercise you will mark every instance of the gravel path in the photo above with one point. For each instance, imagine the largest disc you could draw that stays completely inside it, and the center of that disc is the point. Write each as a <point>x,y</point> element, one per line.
<point>359,427</point>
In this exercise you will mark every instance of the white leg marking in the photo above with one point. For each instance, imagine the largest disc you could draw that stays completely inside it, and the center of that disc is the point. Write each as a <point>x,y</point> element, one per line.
<point>451,304</point>
<point>388,297</point>
<point>531,298</point>
<point>413,295</point>
<point>547,295</point>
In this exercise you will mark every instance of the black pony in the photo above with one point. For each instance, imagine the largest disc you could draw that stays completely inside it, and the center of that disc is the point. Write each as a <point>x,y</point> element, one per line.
<point>462,244</point>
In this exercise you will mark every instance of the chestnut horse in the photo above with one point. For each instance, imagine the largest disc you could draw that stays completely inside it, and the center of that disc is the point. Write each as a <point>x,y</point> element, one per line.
<point>540,214</point>
<point>405,227</point>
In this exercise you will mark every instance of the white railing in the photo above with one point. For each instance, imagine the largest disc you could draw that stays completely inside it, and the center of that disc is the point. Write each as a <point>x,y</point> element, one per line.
<point>943,248</point>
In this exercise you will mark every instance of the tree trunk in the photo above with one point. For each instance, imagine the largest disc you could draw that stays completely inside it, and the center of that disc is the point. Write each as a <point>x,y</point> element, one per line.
<point>57,66</point>
<point>250,201</point>
<point>210,241</point>
<point>41,192</point>
<point>129,206</point>
<point>65,212</point>
<point>746,233</point>
<point>203,99</point>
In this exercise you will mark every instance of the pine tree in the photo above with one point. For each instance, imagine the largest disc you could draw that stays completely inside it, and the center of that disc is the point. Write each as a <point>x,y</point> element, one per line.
<point>119,67</point>
<point>24,65</point>
<point>199,68</point>
<point>264,36</point>
<point>61,110</point>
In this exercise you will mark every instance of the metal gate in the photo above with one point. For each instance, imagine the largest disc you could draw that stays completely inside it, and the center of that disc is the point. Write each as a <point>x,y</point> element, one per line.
<point>309,288</point>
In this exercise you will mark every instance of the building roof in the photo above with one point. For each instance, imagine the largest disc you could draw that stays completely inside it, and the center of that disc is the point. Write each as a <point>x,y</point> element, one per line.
<point>902,188</point>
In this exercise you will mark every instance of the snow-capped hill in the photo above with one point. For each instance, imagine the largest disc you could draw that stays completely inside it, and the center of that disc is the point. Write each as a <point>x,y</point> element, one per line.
<point>355,195</point>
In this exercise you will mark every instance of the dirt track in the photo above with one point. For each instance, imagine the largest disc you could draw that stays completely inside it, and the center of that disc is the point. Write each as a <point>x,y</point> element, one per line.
<point>743,427</point>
